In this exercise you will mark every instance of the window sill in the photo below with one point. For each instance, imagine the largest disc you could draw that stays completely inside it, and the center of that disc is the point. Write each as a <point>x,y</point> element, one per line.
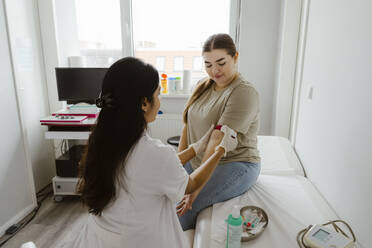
<point>176,96</point>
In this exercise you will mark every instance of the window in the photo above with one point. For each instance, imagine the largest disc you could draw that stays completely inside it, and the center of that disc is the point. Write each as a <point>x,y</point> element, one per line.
<point>108,30</point>
<point>99,31</point>
<point>197,64</point>
<point>178,64</point>
<point>176,30</point>
<point>160,63</point>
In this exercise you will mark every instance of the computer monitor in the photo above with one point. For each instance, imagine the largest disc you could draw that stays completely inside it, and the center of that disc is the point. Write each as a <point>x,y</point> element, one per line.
<point>79,84</point>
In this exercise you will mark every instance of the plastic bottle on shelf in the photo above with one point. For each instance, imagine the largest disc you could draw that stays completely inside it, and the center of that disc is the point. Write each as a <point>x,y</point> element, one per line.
<point>234,229</point>
<point>178,85</point>
<point>172,85</point>
<point>164,84</point>
<point>186,84</point>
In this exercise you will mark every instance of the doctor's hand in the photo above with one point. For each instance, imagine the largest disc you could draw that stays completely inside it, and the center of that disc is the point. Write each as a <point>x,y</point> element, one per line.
<point>186,203</point>
<point>201,144</point>
<point>229,141</point>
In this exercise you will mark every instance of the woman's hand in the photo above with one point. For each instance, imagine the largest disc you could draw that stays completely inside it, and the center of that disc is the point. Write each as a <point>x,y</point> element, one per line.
<point>201,144</point>
<point>186,203</point>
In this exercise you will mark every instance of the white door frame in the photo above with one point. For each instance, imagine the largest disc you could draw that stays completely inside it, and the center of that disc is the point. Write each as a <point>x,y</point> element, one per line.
<point>299,71</point>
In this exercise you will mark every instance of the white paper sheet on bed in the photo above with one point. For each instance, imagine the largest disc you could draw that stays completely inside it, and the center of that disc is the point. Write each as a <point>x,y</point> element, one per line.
<point>278,156</point>
<point>291,202</point>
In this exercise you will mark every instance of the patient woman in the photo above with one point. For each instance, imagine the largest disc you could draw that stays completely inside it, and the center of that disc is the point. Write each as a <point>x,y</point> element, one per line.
<point>130,182</point>
<point>223,98</point>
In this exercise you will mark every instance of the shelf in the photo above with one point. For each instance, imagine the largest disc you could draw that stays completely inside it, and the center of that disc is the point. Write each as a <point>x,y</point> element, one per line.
<point>169,116</point>
<point>84,135</point>
<point>175,96</point>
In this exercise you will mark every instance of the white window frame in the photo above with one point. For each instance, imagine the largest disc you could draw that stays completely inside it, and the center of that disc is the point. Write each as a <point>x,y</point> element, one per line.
<point>201,63</point>
<point>127,25</point>
<point>163,61</point>
<point>126,28</point>
<point>235,20</point>
<point>174,63</point>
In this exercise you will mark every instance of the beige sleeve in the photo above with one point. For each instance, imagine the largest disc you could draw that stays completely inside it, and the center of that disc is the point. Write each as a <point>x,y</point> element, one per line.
<point>241,109</point>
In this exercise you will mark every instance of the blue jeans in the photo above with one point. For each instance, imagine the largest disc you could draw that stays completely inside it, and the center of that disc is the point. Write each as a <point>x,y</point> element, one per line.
<point>227,181</point>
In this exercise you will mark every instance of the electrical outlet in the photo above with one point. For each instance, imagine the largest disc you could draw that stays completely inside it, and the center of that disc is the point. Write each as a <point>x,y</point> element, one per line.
<point>310,91</point>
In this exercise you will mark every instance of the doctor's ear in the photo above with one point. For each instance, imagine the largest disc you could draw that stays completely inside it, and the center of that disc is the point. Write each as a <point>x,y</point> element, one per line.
<point>145,105</point>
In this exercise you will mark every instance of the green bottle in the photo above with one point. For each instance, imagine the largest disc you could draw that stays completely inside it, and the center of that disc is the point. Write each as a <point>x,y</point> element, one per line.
<point>234,229</point>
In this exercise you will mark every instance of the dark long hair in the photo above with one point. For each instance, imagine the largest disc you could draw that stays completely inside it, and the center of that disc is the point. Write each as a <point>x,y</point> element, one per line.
<point>216,41</point>
<point>120,125</point>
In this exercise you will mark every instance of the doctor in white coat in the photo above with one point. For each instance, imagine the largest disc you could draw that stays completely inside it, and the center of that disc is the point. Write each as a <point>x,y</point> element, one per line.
<point>129,182</point>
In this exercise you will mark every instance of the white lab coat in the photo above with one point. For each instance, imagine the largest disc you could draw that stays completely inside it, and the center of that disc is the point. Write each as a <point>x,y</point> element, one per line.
<point>144,214</point>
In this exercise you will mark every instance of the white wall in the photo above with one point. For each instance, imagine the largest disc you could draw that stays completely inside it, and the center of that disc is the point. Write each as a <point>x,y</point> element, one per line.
<point>24,33</point>
<point>172,105</point>
<point>17,193</point>
<point>334,132</point>
<point>259,37</point>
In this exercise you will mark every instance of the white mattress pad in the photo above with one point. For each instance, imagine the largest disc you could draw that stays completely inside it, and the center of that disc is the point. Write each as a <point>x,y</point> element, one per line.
<point>278,156</point>
<point>291,202</point>
<point>203,228</point>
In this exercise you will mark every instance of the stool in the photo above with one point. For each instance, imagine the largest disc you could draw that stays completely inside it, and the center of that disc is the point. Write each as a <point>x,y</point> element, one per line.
<point>175,140</point>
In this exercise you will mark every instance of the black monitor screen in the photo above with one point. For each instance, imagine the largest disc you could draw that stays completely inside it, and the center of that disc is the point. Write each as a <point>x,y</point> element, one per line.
<point>79,84</point>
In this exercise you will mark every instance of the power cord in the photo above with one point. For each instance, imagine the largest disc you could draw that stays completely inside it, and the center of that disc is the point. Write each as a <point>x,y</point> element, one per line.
<point>14,229</point>
<point>301,234</point>
<point>64,147</point>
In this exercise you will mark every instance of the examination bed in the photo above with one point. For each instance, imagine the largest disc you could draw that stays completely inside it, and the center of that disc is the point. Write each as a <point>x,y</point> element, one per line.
<point>290,200</point>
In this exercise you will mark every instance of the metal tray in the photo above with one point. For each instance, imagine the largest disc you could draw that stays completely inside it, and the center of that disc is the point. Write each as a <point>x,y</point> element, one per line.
<point>244,212</point>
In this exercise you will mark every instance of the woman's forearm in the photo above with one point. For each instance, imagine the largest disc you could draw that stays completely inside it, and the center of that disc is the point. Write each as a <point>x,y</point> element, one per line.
<point>186,155</point>
<point>201,175</point>
<point>214,140</point>
<point>183,140</point>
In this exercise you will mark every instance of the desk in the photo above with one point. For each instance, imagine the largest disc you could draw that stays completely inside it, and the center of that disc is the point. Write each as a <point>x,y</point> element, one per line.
<point>79,131</point>
<point>63,186</point>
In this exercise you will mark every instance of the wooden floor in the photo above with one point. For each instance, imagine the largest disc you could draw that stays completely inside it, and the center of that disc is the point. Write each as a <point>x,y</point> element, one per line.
<point>55,225</point>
